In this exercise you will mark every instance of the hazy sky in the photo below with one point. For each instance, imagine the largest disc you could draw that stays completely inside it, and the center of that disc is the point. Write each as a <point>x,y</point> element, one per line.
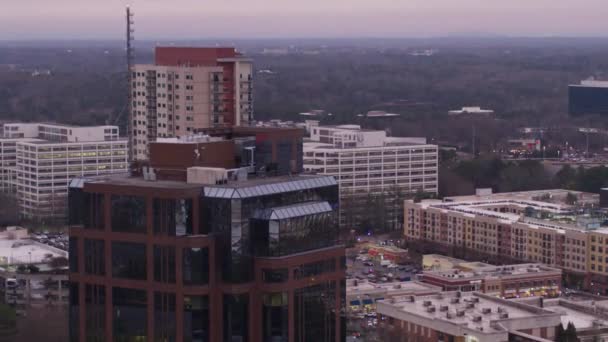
<point>158,19</point>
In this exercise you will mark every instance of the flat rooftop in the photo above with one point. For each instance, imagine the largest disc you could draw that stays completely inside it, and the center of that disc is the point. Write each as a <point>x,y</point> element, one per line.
<point>496,272</point>
<point>467,310</point>
<point>398,288</point>
<point>24,251</point>
<point>124,179</point>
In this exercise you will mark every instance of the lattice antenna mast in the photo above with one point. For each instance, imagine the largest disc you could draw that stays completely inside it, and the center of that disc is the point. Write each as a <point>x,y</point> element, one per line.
<point>130,58</point>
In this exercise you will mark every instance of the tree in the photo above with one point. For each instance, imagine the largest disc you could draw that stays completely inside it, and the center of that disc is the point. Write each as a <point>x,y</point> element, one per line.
<point>567,335</point>
<point>8,323</point>
<point>571,198</point>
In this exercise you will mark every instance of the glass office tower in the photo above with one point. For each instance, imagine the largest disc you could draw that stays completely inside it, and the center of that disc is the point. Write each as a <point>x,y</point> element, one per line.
<point>250,260</point>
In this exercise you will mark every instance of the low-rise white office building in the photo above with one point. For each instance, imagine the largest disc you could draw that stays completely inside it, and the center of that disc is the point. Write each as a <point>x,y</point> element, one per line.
<point>368,162</point>
<point>37,161</point>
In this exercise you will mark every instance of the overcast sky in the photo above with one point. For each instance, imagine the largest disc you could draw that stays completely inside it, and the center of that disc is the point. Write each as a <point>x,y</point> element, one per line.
<point>188,19</point>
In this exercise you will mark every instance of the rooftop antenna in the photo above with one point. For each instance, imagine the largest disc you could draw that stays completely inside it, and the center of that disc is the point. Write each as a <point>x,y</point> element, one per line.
<point>130,55</point>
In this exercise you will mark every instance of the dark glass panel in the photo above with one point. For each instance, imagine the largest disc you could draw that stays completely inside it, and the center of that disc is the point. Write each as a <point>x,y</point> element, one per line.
<point>315,268</point>
<point>275,313</point>
<point>129,260</point>
<point>236,318</point>
<point>164,264</point>
<point>74,312</point>
<point>95,298</point>
<point>128,214</point>
<point>130,315</point>
<point>196,319</point>
<point>315,314</point>
<point>172,216</point>
<point>275,275</point>
<point>73,254</point>
<point>196,266</point>
<point>164,317</point>
<point>94,257</point>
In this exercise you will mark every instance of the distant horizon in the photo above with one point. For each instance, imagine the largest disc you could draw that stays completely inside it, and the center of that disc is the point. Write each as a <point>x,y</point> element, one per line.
<point>268,19</point>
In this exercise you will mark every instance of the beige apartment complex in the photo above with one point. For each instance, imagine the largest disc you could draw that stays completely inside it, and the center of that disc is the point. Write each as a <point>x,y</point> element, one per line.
<point>187,90</point>
<point>536,226</point>
<point>38,161</point>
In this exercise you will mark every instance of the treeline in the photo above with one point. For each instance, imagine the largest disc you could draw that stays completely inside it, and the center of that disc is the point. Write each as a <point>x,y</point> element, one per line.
<point>463,177</point>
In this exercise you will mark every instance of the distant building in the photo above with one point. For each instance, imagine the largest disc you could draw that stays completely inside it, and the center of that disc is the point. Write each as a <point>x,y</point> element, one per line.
<point>589,317</point>
<point>507,281</point>
<point>367,162</point>
<point>37,162</point>
<point>189,89</point>
<point>471,111</point>
<point>464,317</point>
<point>590,97</point>
<point>541,226</point>
<point>362,295</point>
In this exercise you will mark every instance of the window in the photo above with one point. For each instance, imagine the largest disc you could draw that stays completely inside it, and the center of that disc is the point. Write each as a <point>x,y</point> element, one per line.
<point>73,254</point>
<point>130,314</point>
<point>236,317</point>
<point>164,264</point>
<point>315,268</point>
<point>172,217</point>
<point>129,260</point>
<point>314,309</point>
<point>164,317</point>
<point>196,319</point>
<point>274,317</point>
<point>94,257</point>
<point>95,313</point>
<point>128,214</point>
<point>196,266</point>
<point>275,276</point>
<point>74,314</point>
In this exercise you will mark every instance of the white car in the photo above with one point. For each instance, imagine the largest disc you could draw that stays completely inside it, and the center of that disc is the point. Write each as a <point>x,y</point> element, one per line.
<point>392,266</point>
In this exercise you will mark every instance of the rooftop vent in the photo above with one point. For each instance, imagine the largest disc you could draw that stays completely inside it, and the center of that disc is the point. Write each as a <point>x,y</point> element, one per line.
<point>470,305</point>
<point>504,315</point>
<point>458,294</point>
<point>500,309</point>
<point>443,308</point>
<point>460,313</point>
<point>475,300</point>
<point>426,303</point>
<point>412,299</point>
<point>448,315</point>
<point>454,300</point>
<point>430,309</point>
<point>486,311</point>
<point>476,318</point>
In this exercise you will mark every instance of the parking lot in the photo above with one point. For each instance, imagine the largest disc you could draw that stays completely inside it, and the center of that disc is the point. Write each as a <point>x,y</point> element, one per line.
<point>365,267</point>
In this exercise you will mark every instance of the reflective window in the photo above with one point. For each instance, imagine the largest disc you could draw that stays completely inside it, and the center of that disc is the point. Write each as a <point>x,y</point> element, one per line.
<point>315,268</point>
<point>129,260</point>
<point>128,214</point>
<point>236,318</point>
<point>74,313</point>
<point>275,317</point>
<point>164,264</point>
<point>130,315</point>
<point>196,266</point>
<point>94,211</point>
<point>73,254</point>
<point>164,317</point>
<point>315,313</point>
<point>196,319</point>
<point>94,257</point>
<point>172,217</point>
<point>95,298</point>
<point>275,275</point>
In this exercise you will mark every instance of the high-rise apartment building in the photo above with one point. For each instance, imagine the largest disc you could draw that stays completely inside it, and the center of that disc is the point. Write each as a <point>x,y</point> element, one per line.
<point>538,226</point>
<point>367,162</point>
<point>202,247</point>
<point>39,160</point>
<point>186,90</point>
